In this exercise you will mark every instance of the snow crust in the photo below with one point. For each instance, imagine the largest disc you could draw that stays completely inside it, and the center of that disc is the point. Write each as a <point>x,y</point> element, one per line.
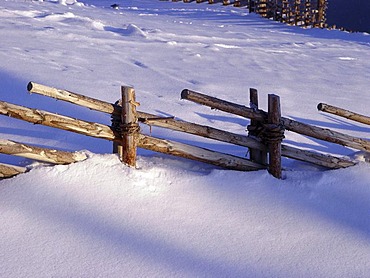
<point>172,217</point>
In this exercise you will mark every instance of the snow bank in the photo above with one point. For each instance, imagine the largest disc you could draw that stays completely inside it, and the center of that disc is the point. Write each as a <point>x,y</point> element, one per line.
<point>170,218</point>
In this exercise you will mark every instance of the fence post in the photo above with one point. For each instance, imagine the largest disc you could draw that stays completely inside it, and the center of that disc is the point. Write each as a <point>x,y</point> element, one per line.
<point>254,130</point>
<point>129,126</point>
<point>274,135</point>
<point>285,12</point>
<point>251,6</point>
<point>321,8</point>
<point>237,3</point>
<point>116,125</point>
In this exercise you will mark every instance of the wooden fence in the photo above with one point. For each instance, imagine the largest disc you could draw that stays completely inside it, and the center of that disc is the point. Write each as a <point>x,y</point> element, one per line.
<point>307,13</point>
<point>264,139</point>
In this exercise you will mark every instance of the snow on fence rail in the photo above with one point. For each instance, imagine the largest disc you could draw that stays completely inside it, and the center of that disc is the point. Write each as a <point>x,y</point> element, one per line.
<point>264,139</point>
<point>308,13</point>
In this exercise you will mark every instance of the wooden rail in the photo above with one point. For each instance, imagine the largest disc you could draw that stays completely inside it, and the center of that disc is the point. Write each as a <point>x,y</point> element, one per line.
<point>323,160</point>
<point>343,113</point>
<point>40,154</point>
<point>146,142</point>
<point>8,171</point>
<point>292,125</point>
<point>266,132</point>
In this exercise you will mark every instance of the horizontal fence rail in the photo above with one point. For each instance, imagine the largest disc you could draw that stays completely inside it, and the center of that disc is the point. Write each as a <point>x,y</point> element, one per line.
<point>291,125</point>
<point>8,171</point>
<point>146,142</point>
<point>264,139</point>
<point>40,154</point>
<point>191,128</point>
<point>343,113</point>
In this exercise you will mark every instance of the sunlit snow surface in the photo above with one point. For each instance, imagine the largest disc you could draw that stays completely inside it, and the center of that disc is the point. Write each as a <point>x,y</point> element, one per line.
<point>173,217</point>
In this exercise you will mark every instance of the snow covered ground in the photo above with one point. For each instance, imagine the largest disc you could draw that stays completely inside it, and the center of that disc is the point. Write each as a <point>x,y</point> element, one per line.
<point>173,217</point>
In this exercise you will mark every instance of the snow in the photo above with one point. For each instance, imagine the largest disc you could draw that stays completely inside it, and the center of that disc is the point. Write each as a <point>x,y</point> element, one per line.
<point>173,217</point>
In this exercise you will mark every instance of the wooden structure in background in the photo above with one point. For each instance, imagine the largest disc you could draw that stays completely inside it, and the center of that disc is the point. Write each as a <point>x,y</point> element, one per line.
<point>307,13</point>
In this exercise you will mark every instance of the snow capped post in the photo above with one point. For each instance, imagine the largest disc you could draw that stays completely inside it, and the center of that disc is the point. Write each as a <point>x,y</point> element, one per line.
<point>274,134</point>
<point>129,126</point>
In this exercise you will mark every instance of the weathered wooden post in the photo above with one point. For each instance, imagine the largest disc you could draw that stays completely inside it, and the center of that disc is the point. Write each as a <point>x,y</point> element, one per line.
<point>307,13</point>
<point>255,129</point>
<point>321,8</point>
<point>297,12</point>
<point>251,6</point>
<point>116,126</point>
<point>274,135</point>
<point>129,126</point>
<point>285,12</point>
<point>262,8</point>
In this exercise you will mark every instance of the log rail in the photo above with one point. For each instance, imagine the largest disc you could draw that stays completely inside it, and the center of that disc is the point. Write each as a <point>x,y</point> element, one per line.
<point>146,142</point>
<point>323,160</point>
<point>292,125</point>
<point>271,122</point>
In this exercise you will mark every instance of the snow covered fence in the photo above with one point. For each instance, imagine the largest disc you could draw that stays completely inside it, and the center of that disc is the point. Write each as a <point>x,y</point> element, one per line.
<point>257,130</point>
<point>251,142</point>
<point>109,133</point>
<point>266,132</point>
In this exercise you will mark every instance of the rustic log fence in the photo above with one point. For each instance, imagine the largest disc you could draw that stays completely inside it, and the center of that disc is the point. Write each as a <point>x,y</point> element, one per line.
<point>264,139</point>
<point>307,13</point>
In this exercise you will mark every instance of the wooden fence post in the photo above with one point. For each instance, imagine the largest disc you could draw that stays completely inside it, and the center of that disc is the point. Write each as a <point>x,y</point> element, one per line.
<point>321,8</point>
<point>274,135</point>
<point>116,125</point>
<point>285,12</point>
<point>254,130</point>
<point>251,6</point>
<point>129,126</point>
